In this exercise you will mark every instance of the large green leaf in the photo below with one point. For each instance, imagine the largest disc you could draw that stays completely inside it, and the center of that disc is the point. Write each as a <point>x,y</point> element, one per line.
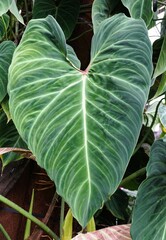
<point>75,121</point>
<point>140,9</point>
<point>6,52</point>
<point>149,216</point>
<point>65,11</point>
<point>4,6</point>
<point>102,10</point>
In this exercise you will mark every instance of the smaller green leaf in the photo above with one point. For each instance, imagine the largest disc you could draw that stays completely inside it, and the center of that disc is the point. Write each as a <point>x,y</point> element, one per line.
<point>118,204</point>
<point>162,114</point>
<point>101,10</point>
<point>14,10</point>
<point>5,107</point>
<point>9,137</point>
<point>149,216</point>
<point>161,66</point>
<point>140,9</point>
<point>162,86</point>
<point>4,24</point>
<point>6,52</point>
<point>4,6</point>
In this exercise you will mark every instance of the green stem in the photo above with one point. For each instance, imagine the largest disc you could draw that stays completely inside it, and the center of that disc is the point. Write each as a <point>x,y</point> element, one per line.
<point>29,216</point>
<point>4,232</point>
<point>134,175</point>
<point>62,217</point>
<point>149,130</point>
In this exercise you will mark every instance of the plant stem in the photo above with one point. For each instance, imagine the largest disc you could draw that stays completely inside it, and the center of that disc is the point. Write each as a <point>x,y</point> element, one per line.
<point>62,217</point>
<point>138,173</point>
<point>149,130</point>
<point>29,216</point>
<point>4,232</point>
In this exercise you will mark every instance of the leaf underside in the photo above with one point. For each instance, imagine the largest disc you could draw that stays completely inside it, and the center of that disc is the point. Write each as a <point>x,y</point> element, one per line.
<point>74,121</point>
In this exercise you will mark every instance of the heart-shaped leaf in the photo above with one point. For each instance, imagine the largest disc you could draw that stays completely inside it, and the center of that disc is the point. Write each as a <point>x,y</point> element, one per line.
<point>120,232</point>
<point>65,11</point>
<point>6,52</point>
<point>75,121</point>
<point>140,9</point>
<point>149,216</point>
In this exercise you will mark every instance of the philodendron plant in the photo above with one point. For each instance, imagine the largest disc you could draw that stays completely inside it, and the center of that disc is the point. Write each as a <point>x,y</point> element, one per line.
<point>81,125</point>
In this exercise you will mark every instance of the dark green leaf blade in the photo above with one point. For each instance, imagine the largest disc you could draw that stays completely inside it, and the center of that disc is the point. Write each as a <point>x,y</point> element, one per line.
<point>6,52</point>
<point>149,216</point>
<point>73,120</point>
<point>65,12</point>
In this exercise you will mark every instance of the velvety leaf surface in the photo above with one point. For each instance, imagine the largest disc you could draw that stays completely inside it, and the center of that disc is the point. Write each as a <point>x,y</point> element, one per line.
<point>140,9</point>
<point>6,52</point>
<point>120,232</point>
<point>74,121</point>
<point>101,10</point>
<point>4,6</point>
<point>149,218</point>
<point>66,12</point>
